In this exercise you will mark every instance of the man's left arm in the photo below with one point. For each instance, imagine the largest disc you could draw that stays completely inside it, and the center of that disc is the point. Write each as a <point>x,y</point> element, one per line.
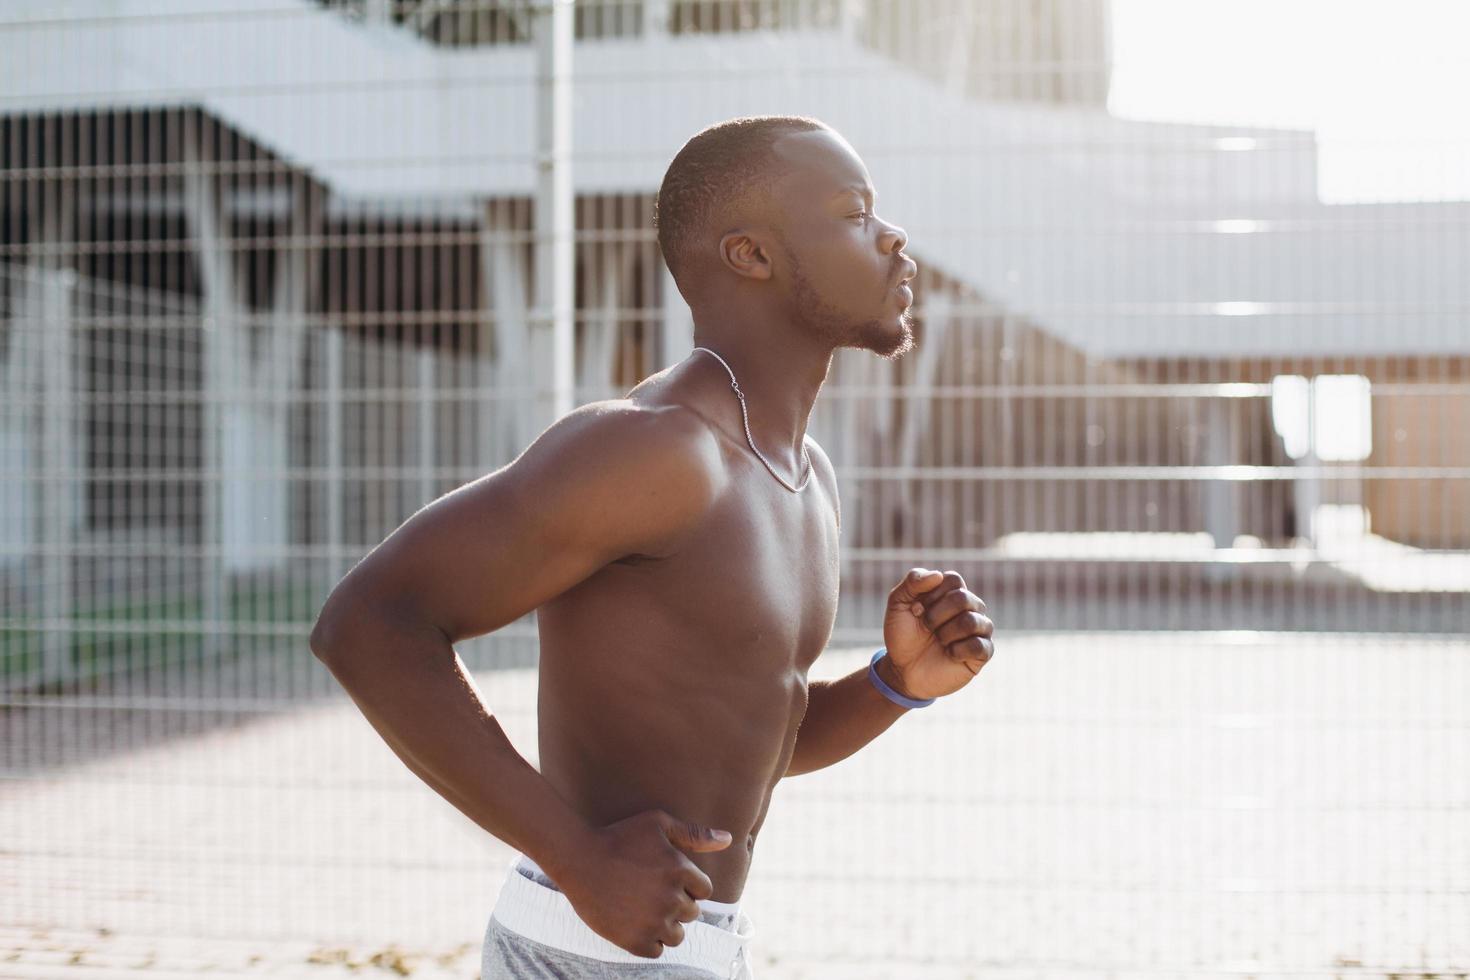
<point>938,636</point>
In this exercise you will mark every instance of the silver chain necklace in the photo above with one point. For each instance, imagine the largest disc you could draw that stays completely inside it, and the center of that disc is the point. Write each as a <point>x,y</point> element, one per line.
<point>745,416</point>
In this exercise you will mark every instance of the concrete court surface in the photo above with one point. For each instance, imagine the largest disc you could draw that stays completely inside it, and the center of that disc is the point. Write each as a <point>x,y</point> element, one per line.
<point>1093,805</point>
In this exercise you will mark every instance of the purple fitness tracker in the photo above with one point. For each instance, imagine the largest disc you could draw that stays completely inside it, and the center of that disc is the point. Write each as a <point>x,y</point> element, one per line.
<point>889,692</point>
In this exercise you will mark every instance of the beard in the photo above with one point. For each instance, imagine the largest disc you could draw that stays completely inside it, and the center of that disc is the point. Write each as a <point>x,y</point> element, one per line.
<point>837,329</point>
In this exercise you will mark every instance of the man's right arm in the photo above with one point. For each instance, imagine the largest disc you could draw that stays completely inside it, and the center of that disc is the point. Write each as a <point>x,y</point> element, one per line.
<point>606,480</point>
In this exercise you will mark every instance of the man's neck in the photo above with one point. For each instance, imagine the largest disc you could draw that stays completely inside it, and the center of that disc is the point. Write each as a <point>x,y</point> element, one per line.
<point>780,382</point>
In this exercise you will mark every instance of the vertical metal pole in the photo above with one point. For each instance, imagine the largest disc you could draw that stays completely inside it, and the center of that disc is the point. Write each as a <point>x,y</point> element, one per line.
<point>957,58</point>
<point>59,466</point>
<point>205,217</point>
<point>426,424</point>
<point>658,17</point>
<point>335,562</point>
<point>1309,489</point>
<point>850,19</point>
<point>552,336</point>
<point>378,11</point>
<point>211,504</point>
<point>1218,493</point>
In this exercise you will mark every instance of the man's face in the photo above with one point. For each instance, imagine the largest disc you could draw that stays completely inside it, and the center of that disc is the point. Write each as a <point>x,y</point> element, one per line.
<point>843,262</point>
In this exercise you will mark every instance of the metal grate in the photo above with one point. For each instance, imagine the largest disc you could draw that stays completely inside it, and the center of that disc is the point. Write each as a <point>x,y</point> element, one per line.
<point>268,286</point>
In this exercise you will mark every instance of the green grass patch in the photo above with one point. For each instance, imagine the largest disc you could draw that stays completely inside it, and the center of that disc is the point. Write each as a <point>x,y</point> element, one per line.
<point>151,632</point>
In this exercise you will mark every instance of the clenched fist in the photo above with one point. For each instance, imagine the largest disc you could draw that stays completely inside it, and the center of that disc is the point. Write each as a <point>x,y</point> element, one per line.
<point>937,634</point>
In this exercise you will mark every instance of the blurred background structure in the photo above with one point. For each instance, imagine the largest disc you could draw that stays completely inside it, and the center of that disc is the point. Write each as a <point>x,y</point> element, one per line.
<point>276,273</point>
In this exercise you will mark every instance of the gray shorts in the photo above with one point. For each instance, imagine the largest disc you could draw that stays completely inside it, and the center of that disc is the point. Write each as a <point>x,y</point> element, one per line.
<point>535,934</point>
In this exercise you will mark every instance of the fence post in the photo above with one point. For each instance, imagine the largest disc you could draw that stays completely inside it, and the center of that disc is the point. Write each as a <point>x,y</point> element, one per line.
<point>553,341</point>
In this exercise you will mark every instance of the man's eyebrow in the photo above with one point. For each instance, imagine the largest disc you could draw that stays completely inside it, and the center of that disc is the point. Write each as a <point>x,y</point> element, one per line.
<point>861,191</point>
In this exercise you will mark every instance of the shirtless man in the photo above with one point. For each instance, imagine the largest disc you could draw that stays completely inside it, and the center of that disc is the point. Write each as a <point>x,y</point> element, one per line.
<point>684,569</point>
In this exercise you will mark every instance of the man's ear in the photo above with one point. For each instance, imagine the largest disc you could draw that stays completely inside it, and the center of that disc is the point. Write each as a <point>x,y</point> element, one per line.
<point>745,256</point>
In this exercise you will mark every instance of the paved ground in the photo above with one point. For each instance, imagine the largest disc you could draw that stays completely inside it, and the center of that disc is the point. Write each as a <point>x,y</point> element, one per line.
<point>1094,806</point>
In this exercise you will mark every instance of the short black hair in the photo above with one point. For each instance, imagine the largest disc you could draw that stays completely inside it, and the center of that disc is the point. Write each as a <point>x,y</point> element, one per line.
<point>718,166</point>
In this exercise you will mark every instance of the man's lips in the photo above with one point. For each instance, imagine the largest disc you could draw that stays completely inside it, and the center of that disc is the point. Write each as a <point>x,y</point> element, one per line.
<point>910,270</point>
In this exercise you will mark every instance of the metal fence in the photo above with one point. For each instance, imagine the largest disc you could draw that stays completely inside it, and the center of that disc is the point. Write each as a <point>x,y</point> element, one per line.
<point>274,274</point>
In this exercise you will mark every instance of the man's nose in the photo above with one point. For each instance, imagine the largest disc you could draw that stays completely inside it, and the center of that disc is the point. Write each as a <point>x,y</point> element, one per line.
<point>899,237</point>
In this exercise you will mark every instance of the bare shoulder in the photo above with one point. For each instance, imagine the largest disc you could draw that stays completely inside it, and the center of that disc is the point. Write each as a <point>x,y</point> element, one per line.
<point>823,471</point>
<point>606,480</point>
<point>660,429</point>
<point>821,463</point>
<point>663,453</point>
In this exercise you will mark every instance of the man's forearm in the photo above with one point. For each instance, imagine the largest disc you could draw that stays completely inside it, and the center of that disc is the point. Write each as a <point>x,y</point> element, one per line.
<point>841,717</point>
<point>413,688</point>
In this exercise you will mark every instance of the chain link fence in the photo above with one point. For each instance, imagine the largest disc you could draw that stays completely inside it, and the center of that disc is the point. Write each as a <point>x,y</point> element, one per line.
<point>272,277</point>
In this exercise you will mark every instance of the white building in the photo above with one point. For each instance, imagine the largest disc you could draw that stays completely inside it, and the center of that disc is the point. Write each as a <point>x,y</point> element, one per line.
<point>268,285</point>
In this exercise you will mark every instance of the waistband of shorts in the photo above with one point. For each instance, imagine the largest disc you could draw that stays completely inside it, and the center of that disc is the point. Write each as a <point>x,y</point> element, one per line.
<point>546,916</point>
<point>705,904</point>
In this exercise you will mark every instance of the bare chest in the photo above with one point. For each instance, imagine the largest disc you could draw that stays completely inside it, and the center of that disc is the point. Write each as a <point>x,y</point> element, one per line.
<point>756,584</point>
<point>765,572</point>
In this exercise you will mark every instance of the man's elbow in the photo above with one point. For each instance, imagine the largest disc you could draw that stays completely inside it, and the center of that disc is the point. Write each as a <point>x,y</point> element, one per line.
<point>319,638</point>
<point>327,634</point>
<point>361,620</point>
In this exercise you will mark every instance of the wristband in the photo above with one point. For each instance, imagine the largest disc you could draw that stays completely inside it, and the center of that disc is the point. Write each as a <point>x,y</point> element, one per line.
<point>889,692</point>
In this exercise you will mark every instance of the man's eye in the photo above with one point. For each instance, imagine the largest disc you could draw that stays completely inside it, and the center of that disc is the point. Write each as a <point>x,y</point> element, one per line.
<point>860,214</point>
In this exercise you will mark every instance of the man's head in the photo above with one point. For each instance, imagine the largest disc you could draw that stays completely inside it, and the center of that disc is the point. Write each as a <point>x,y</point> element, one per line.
<point>776,213</point>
